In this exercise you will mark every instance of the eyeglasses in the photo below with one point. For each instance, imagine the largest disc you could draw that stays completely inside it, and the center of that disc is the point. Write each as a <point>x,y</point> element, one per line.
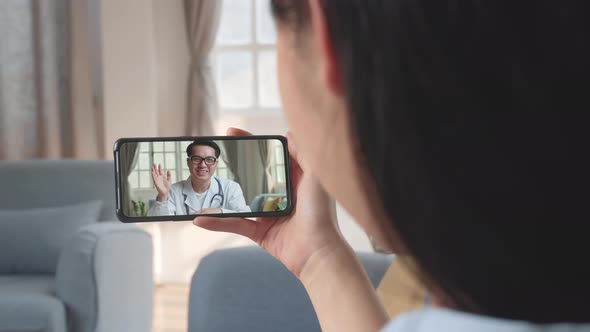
<point>198,160</point>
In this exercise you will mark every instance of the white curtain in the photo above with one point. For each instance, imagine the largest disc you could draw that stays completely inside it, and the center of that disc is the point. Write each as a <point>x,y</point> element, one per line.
<point>264,148</point>
<point>202,20</point>
<point>42,111</point>
<point>245,161</point>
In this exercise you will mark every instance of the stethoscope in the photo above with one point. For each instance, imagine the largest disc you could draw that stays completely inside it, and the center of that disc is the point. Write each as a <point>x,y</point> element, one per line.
<point>219,194</point>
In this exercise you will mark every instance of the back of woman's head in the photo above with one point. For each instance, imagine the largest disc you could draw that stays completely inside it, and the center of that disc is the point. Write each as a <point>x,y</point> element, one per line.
<point>473,115</point>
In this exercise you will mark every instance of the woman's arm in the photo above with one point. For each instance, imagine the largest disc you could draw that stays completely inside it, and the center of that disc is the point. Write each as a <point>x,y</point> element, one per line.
<point>341,292</point>
<point>309,243</point>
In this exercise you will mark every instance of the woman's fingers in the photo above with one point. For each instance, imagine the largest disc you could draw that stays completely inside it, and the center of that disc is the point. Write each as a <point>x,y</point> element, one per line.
<point>237,132</point>
<point>241,226</point>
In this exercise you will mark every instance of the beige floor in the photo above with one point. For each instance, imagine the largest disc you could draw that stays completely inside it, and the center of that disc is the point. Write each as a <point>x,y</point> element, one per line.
<point>170,308</point>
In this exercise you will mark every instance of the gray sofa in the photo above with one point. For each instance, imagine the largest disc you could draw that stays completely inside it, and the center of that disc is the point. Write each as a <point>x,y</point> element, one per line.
<point>246,289</point>
<point>66,264</point>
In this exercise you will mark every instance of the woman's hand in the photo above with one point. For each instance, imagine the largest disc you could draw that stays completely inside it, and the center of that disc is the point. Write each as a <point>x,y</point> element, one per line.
<point>309,244</point>
<point>310,231</point>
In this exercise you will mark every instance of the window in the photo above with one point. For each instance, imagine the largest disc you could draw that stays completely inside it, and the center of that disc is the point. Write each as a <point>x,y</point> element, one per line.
<point>280,164</point>
<point>162,153</point>
<point>277,168</point>
<point>244,58</point>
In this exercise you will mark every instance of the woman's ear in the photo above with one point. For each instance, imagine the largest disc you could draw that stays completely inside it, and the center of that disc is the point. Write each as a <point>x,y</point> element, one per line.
<point>328,62</point>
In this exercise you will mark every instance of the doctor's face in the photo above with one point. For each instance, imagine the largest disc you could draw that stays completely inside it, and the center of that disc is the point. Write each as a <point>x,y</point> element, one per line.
<point>202,170</point>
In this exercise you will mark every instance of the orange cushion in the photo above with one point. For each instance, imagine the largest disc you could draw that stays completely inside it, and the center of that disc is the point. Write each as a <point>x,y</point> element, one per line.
<point>272,204</point>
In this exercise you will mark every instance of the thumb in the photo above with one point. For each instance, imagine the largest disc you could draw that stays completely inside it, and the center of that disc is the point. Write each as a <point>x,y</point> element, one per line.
<point>168,176</point>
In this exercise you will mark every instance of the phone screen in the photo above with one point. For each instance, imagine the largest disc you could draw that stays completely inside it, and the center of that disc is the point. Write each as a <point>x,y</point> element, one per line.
<point>169,179</point>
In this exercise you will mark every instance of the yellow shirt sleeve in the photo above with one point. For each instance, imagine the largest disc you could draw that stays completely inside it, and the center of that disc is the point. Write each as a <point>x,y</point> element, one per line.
<point>400,290</point>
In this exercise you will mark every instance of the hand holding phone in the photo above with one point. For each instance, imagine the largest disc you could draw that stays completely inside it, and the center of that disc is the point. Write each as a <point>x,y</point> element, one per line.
<point>311,229</point>
<point>179,178</point>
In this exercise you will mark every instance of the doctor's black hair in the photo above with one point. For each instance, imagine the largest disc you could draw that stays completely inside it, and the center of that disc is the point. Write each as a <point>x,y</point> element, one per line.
<point>189,148</point>
<point>475,117</point>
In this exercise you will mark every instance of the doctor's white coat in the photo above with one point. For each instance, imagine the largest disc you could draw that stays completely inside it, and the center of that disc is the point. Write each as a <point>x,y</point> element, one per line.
<point>183,197</point>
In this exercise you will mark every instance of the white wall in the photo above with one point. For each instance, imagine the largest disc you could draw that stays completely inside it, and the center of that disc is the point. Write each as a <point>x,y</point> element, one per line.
<point>352,232</point>
<point>129,69</point>
<point>145,61</point>
<point>172,65</point>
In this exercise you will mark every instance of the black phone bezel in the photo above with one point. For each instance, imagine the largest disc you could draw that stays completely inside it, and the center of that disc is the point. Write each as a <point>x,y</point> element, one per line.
<point>118,194</point>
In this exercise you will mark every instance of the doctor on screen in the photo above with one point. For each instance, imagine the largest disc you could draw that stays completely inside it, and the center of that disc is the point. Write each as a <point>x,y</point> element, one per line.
<point>201,193</point>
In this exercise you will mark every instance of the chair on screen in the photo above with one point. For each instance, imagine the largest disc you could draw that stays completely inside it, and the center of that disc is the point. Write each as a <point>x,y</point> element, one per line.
<point>268,202</point>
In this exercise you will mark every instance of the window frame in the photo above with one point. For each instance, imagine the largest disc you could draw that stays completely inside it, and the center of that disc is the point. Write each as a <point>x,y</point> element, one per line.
<point>254,48</point>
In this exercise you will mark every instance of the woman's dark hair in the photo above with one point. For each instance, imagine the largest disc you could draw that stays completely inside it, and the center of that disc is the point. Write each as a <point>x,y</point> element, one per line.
<point>211,144</point>
<point>475,115</point>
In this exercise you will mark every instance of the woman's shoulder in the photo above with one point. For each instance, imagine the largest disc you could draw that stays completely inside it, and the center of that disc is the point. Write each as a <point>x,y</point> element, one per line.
<point>443,320</point>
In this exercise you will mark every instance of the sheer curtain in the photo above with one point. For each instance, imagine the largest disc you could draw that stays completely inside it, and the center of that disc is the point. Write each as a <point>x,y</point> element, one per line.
<point>230,155</point>
<point>43,111</point>
<point>202,20</point>
<point>263,146</point>
<point>128,158</point>
<point>246,162</point>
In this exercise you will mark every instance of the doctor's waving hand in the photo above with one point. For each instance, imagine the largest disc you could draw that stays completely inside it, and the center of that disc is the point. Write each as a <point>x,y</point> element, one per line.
<point>201,193</point>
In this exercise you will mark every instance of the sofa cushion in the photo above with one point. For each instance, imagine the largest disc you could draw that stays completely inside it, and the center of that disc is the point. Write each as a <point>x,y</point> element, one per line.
<point>31,312</point>
<point>27,283</point>
<point>31,240</point>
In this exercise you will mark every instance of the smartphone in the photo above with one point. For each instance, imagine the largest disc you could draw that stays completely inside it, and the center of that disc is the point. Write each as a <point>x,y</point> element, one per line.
<point>179,178</point>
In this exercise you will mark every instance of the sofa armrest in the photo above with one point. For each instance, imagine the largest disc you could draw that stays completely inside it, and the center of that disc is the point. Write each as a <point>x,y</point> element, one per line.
<point>246,289</point>
<point>104,276</point>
